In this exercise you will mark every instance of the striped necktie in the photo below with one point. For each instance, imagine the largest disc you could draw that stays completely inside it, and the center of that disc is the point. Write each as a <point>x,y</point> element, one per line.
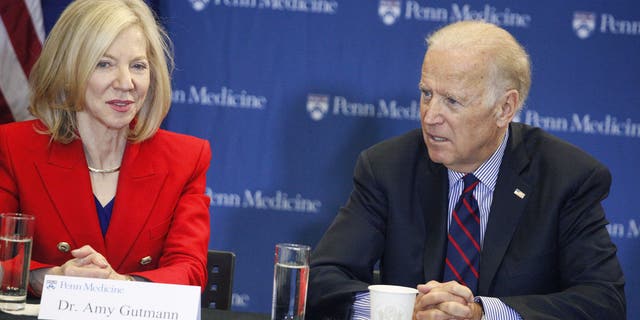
<point>463,248</point>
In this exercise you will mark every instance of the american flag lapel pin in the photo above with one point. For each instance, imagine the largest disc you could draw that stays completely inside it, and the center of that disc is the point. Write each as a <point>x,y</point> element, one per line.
<point>519,193</point>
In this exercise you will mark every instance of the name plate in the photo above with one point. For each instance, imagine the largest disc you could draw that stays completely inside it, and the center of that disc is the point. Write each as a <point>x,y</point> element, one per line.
<point>88,298</point>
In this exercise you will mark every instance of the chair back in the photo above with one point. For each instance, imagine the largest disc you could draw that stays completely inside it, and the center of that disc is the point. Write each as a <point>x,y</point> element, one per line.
<point>217,294</point>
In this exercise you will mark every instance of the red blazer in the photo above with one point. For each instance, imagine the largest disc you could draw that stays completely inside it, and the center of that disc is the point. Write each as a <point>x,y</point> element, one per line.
<point>159,228</point>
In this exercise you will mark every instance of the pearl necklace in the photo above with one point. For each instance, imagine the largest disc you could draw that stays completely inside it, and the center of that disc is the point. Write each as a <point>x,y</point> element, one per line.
<point>111,170</point>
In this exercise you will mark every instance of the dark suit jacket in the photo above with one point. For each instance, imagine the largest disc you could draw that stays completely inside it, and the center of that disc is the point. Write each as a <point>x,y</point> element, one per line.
<point>547,255</point>
<point>160,208</point>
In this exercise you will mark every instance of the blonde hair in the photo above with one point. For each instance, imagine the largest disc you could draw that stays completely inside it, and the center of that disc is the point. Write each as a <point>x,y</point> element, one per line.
<point>509,65</point>
<point>78,40</point>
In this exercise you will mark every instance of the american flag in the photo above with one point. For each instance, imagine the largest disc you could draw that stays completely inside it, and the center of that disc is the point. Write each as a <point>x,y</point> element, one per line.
<point>21,37</point>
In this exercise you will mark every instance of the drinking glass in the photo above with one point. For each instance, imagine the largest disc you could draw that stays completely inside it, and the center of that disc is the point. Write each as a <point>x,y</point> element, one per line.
<point>16,236</point>
<point>290,280</point>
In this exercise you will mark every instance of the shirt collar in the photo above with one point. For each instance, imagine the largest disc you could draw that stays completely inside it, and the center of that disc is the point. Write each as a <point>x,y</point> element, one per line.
<point>487,173</point>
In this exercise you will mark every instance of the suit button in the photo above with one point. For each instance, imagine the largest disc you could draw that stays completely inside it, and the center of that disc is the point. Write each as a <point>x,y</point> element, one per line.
<point>146,260</point>
<point>63,247</point>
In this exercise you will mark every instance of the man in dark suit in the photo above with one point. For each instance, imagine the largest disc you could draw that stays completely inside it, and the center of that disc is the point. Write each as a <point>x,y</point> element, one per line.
<point>542,250</point>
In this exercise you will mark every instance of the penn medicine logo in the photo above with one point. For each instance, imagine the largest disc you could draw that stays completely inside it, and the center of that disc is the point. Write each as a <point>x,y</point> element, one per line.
<point>199,5</point>
<point>584,23</point>
<point>317,106</point>
<point>321,105</point>
<point>392,10</point>
<point>389,11</point>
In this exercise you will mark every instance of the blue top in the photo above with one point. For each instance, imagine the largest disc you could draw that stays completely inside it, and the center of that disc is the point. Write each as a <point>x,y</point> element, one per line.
<point>104,214</point>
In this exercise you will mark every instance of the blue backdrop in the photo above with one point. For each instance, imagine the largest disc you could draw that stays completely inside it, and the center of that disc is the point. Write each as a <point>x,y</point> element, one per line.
<point>288,92</point>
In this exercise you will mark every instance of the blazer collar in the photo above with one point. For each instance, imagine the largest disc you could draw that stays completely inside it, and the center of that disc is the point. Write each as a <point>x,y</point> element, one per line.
<point>509,201</point>
<point>66,179</point>
<point>432,189</point>
<point>139,185</point>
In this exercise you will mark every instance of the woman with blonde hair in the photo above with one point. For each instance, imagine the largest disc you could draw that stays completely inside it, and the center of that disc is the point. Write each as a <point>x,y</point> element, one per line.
<point>113,195</point>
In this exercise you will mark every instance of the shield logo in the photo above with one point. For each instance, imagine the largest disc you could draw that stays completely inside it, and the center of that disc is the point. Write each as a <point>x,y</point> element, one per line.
<point>584,23</point>
<point>51,284</point>
<point>317,106</point>
<point>199,5</point>
<point>389,11</point>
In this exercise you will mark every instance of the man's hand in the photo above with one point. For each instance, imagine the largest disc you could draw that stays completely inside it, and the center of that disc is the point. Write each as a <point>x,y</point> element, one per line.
<point>449,300</point>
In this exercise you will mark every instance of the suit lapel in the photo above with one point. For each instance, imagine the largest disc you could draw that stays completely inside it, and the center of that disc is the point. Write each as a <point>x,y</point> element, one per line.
<point>139,185</point>
<point>507,207</point>
<point>66,180</point>
<point>432,190</point>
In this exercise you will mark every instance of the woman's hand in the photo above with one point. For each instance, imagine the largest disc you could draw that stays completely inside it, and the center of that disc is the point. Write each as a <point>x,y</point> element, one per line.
<point>86,262</point>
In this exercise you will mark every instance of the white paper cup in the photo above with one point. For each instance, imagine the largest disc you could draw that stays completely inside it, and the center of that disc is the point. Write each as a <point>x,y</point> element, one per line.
<point>392,302</point>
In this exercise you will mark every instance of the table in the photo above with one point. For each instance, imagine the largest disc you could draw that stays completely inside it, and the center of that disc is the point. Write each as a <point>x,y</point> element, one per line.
<point>207,314</point>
